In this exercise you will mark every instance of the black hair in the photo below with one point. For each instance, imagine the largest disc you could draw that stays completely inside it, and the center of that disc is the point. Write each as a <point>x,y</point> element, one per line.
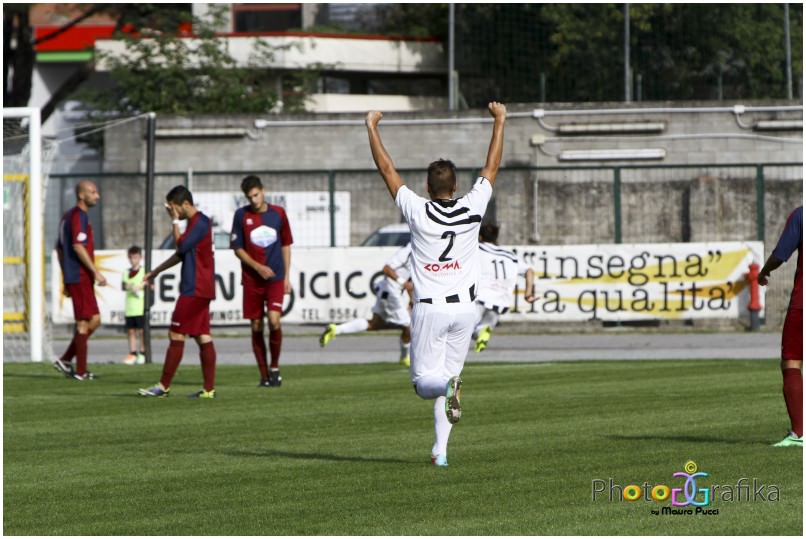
<point>249,183</point>
<point>135,250</point>
<point>489,232</point>
<point>179,195</point>
<point>441,177</point>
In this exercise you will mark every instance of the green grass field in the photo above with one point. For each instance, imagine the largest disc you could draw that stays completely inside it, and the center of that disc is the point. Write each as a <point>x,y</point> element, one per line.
<point>344,450</point>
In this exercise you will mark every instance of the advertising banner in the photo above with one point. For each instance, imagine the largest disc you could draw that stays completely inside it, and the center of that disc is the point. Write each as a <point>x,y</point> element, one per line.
<point>672,281</point>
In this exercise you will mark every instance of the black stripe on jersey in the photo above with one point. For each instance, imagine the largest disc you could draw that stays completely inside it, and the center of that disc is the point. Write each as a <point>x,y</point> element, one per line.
<point>450,214</point>
<point>470,218</point>
<point>487,248</point>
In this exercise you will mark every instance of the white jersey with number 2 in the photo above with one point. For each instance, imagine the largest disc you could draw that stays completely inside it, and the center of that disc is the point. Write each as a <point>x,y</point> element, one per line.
<point>444,243</point>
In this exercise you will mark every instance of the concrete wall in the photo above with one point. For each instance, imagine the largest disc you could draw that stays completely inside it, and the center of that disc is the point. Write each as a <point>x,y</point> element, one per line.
<point>689,137</point>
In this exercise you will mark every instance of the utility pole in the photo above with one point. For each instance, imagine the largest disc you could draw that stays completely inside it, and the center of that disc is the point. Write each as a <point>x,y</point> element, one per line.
<point>788,48</point>
<point>627,85</point>
<point>451,78</point>
<point>149,217</point>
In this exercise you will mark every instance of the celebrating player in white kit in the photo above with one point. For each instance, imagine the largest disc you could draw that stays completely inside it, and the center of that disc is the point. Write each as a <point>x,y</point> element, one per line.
<point>500,269</point>
<point>391,309</point>
<point>445,271</point>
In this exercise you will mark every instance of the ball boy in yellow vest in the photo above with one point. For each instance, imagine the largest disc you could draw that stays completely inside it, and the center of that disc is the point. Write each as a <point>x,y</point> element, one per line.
<point>135,306</point>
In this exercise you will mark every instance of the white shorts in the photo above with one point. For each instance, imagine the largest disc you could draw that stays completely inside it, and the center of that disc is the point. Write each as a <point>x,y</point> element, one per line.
<point>392,303</point>
<point>440,336</point>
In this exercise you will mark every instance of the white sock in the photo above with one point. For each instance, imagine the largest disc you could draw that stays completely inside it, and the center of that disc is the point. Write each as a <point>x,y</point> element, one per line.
<point>404,349</point>
<point>353,326</point>
<point>431,387</point>
<point>442,428</point>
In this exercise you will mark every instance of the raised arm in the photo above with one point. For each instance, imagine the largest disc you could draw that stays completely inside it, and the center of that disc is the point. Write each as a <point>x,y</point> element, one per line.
<point>499,113</point>
<point>379,154</point>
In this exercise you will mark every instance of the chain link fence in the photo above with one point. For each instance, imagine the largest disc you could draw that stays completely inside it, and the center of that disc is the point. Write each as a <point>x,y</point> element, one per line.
<point>533,205</point>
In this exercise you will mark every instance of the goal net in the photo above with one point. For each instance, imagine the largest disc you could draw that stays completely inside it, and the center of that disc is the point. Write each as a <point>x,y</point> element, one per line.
<point>26,331</point>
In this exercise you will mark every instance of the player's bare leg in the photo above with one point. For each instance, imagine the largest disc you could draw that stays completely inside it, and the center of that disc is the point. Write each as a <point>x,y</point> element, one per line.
<point>141,351</point>
<point>131,357</point>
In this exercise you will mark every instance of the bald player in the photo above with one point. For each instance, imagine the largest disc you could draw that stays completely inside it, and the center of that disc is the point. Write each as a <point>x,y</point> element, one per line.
<point>76,251</point>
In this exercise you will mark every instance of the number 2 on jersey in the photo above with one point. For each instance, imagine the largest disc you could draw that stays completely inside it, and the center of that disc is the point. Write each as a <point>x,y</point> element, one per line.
<point>450,235</point>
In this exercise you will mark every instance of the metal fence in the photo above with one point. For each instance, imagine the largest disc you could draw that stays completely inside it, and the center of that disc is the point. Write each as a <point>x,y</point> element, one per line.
<point>533,205</point>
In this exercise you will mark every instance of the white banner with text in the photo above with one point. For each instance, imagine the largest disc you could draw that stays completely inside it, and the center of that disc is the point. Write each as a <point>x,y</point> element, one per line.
<point>671,281</point>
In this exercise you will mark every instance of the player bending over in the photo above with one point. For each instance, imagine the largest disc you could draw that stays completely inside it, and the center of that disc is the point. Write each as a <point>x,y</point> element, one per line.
<point>393,294</point>
<point>445,271</point>
<point>500,269</point>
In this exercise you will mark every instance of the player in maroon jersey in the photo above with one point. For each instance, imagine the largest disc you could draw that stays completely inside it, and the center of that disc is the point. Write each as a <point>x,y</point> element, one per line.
<point>191,316</point>
<point>76,251</point>
<point>791,240</point>
<point>261,238</point>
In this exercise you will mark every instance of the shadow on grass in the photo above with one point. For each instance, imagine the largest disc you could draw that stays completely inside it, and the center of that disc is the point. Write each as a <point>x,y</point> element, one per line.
<point>39,376</point>
<point>688,439</point>
<point>269,453</point>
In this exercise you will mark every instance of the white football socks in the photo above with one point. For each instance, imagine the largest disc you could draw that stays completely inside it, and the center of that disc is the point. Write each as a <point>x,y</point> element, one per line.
<point>404,349</point>
<point>442,428</point>
<point>353,326</point>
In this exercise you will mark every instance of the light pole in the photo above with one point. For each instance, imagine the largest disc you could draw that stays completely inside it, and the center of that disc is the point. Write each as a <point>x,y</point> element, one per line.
<point>451,78</point>
<point>627,85</point>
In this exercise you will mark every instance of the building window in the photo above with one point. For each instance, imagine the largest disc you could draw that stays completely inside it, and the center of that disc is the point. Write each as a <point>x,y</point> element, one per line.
<point>267,17</point>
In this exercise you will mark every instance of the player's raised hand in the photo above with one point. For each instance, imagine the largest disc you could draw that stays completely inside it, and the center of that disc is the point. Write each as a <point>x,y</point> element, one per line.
<point>497,110</point>
<point>373,117</point>
<point>171,211</point>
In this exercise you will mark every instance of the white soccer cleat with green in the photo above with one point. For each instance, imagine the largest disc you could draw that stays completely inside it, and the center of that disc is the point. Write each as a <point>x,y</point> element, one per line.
<point>790,441</point>
<point>453,408</point>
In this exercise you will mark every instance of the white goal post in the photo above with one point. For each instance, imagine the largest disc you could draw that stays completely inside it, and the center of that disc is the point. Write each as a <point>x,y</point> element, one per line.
<point>34,250</point>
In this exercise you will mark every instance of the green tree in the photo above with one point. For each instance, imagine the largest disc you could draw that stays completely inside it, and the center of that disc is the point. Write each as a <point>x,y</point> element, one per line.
<point>18,44</point>
<point>163,72</point>
<point>708,51</point>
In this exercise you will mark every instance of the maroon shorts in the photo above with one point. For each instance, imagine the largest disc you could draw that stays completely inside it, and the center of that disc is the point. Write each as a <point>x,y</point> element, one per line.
<point>792,336</point>
<point>84,304</point>
<point>255,297</point>
<point>191,316</point>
